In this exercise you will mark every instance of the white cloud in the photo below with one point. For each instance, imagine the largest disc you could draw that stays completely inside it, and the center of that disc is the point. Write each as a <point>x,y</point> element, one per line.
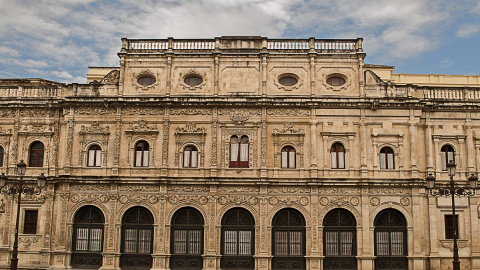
<point>69,35</point>
<point>468,30</point>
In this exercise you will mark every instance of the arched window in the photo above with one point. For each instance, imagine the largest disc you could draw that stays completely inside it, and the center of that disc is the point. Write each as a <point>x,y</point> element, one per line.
<point>94,157</point>
<point>448,154</point>
<point>141,154</point>
<point>2,153</point>
<point>288,240</point>
<point>288,157</point>
<point>238,234</point>
<point>339,240</point>
<point>390,240</point>
<point>337,156</point>
<point>36,155</point>
<point>190,157</point>
<point>239,152</point>
<point>387,160</point>
<point>187,239</point>
<point>87,244</point>
<point>137,239</point>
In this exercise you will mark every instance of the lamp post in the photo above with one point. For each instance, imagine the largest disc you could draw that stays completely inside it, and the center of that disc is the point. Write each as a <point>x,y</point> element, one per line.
<point>451,190</point>
<point>18,190</point>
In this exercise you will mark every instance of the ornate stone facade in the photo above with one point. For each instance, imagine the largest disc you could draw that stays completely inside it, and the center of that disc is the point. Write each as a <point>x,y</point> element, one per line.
<point>309,156</point>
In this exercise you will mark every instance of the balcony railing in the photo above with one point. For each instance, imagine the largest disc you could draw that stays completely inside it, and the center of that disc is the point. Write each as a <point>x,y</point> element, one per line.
<point>28,91</point>
<point>450,93</point>
<point>243,43</point>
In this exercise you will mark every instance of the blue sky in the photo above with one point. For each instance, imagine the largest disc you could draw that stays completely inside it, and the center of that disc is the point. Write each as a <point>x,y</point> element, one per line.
<point>59,39</point>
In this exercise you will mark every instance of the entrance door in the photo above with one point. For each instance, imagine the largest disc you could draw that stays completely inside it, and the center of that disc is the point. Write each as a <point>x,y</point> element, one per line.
<point>339,240</point>
<point>288,240</point>
<point>186,240</point>
<point>237,240</point>
<point>87,244</point>
<point>391,240</point>
<point>137,239</point>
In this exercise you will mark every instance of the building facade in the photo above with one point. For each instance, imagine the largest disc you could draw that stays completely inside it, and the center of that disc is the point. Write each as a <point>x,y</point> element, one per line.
<point>240,153</point>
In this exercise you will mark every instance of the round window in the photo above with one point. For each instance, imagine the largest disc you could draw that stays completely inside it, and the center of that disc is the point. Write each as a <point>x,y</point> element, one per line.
<point>288,80</point>
<point>193,80</point>
<point>336,81</point>
<point>146,80</point>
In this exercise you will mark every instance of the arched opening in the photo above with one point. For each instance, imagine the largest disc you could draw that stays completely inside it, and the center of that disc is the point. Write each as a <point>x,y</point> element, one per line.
<point>239,152</point>
<point>190,157</point>
<point>447,154</point>
<point>94,157</point>
<point>387,159</point>
<point>288,157</point>
<point>141,154</point>
<point>36,154</point>
<point>186,240</point>
<point>238,232</point>
<point>390,240</point>
<point>289,246</point>
<point>87,244</point>
<point>337,156</point>
<point>339,240</point>
<point>137,239</point>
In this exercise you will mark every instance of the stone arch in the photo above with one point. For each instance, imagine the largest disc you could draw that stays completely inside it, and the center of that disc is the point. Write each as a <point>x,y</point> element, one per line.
<point>347,207</point>
<point>121,212</point>
<point>74,209</point>
<point>295,206</point>
<point>396,206</point>
<point>179,206</point>
<point>250,208</point>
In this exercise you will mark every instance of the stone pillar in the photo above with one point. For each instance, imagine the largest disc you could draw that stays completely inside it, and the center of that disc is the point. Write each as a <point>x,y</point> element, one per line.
<point>313,148</point>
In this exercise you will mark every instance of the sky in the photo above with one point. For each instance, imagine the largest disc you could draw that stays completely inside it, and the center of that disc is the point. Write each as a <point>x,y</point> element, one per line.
<point>59,39</point>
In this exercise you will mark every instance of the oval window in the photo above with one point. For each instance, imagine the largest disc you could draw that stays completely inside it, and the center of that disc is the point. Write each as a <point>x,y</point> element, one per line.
<point>146,80</point>
<point>288,81</point>
<point>336,81</point>
<point>193,80</point>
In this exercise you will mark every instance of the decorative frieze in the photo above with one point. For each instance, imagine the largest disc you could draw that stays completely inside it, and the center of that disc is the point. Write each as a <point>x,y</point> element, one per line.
<point>388,191</point>
<point>288,112</point>
<point>95,111</point>
<point>190,111</point>
<point>143,111</point>
<point>37,113</point>
<point>339,201</point>
<point>288,200</point>
<point>138,188</point>
<point>238,189</point>
<point>238,200</point>
<point>174,199</point>
<point>7,113</point>
<point>138,198</point>
<point>286,189</point>
<point>183,188</point>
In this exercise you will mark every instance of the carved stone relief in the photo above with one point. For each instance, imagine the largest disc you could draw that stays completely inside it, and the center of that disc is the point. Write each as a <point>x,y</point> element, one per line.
<point>341,200</point>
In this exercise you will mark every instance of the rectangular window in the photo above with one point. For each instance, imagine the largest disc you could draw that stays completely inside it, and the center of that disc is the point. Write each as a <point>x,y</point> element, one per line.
<point>30,222</point>
<point>383,245</point>
<point>230,243</point>
<point>449,226</point>
<point>144,240</point>
<point>130,240</point>
<point>281,243</point>
<point>82,239</point>
<point>194,241</point>
<point>244,243</point>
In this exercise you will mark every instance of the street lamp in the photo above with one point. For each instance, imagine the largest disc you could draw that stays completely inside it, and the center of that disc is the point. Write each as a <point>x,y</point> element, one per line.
<point>451,190</point>
<point>20,189</point>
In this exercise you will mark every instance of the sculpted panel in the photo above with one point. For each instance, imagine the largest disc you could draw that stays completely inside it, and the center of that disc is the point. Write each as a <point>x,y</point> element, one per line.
<point>240,79</point>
